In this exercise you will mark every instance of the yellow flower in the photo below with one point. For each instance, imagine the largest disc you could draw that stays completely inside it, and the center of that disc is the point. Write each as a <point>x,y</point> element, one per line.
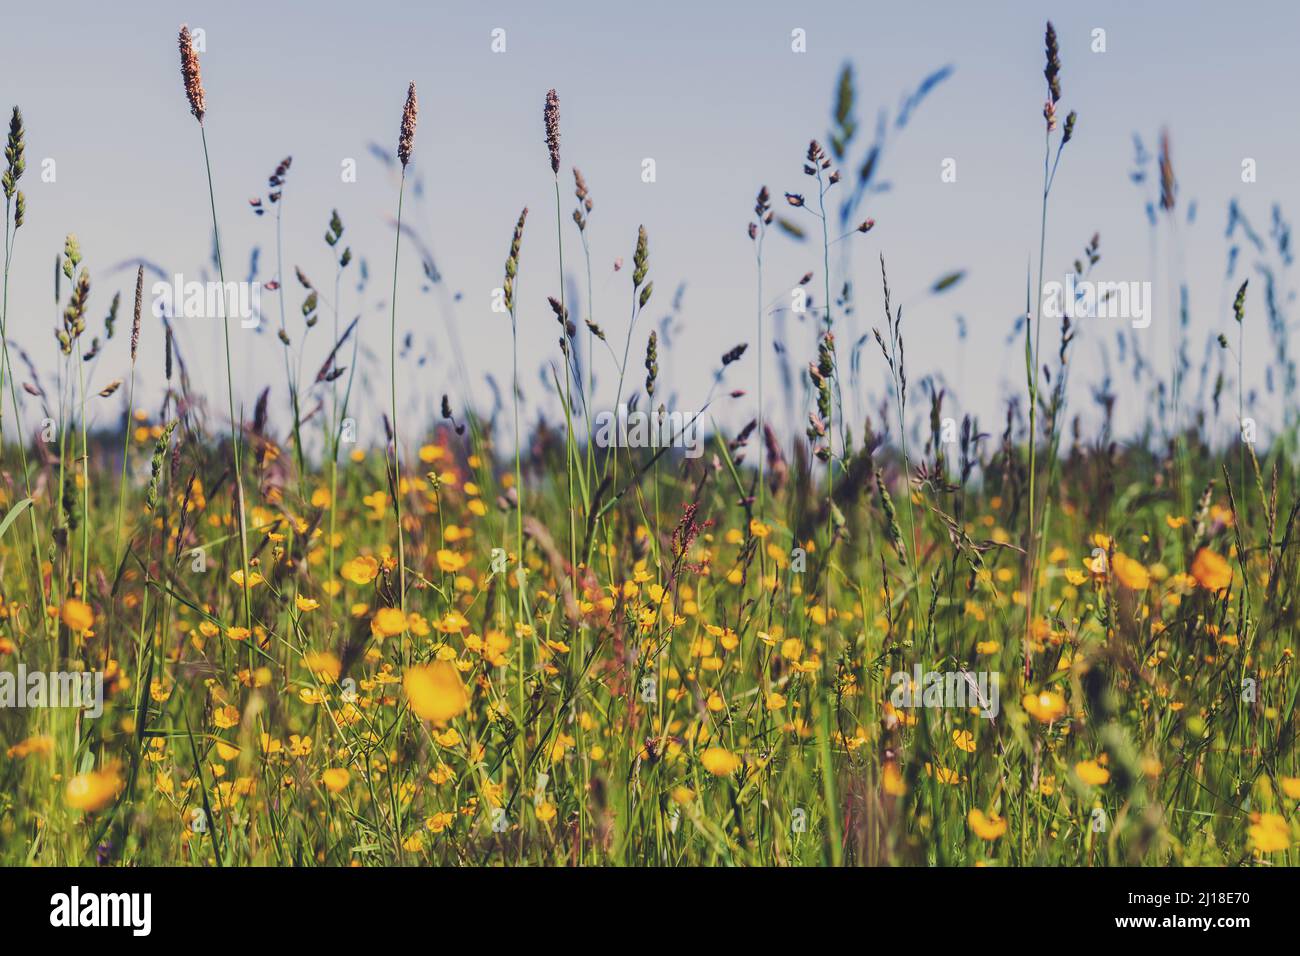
<point>1290,786</point>
<point>1045,707</point>
<point>964,740</point>
<point>1269,833</point>
<point>77,615</point>
<point>306,604</point>
<point>719,762</point>
<point>945,775</point>
<point>324,665</point>
<point>892,781</point>
<point>227,751</point>
<point>254,579</point>
<point>1211,570</point>
<point>453,622</point>
<point>32,745</point>
<point>449,562</point>
<point>435,691</point>
<point>335,779</point>
<point>361,570</point>
<point>226,717</point>
<point>92,791</point>
<point>986,827</point>
<point>1132,574</point>
<point>758,529</point>
<point>1092,773</point>
<point>440,821</point>
<point>237,633</point>
<point>388,622</point>
<point>545,811</point>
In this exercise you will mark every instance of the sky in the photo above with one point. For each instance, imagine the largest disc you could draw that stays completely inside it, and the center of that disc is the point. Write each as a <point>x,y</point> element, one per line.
<point>715,95</point>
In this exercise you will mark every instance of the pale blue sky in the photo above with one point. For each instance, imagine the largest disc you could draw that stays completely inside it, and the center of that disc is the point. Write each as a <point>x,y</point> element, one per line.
<point>714,94</point>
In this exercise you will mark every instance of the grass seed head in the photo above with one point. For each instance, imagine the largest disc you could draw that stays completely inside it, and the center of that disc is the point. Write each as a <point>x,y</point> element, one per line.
<point>1168,184</point>
<point>512,262</point>
<point>406,138</point>
<point>191,76</point>
<point>1052,71</point>
<point>15,163</point>
<point>135,318</point>
<point>551,115</point>
<point>641,258</point>
<point>651,364</point>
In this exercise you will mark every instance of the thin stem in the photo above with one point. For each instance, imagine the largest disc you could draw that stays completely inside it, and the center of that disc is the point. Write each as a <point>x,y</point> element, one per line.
<point>230,393</point>
<point>397,463</point>
<point>7,371</point>
<point>569,452</point>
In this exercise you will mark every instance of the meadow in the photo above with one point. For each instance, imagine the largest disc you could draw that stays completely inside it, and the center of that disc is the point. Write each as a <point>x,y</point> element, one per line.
<point>491,639</point>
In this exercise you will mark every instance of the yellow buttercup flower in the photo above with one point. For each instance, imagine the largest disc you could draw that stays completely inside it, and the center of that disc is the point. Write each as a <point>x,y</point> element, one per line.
<point>77,615</point>
<point>335,779</point>
<point>449,562</point>
<point>440,821</point>
<point>1132,574</point>
<point>361,570</point>
<point>435,691</point>
<point>1211,570</point>
<point>1092,773</point>
<point>324,665</point>
<point>720,762</point>
<point>1045,707</point>
<point>892,781</point>
<point>92,791</point>
<point>988,827</point>
<point>254,579</point>
<point>227,751</point>
<point>1269,833</point>
<point>388,622</point>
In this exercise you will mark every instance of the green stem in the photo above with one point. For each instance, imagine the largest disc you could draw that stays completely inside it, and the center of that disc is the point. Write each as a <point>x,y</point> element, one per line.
<point>397,461</point>
<point>230,393</point>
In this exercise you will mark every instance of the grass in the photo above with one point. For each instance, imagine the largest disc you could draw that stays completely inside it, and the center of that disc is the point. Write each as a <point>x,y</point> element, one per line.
<point>568,654</point>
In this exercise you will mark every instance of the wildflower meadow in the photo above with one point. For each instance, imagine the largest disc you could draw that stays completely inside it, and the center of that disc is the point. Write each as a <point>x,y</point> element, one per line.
<point>362,614</point>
